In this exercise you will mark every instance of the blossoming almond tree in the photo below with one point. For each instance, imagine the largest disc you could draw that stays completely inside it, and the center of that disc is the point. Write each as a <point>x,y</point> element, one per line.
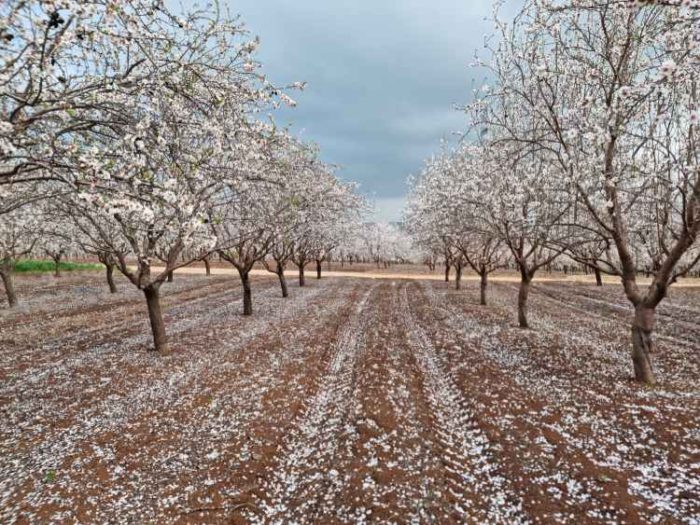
<point>331,206</point>
<point>508,197</point>
<point>20,231</point>
<point>240,225</point>
<point>154,178</point>
<point>613,86</point>
<point>297,163</point>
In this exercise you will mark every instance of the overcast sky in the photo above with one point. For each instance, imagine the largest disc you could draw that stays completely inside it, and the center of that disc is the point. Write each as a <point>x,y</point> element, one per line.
<point>383,79</point>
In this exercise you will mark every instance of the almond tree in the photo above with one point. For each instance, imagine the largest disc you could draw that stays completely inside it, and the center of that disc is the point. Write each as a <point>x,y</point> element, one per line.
<point>331,208</point>
<point>64,60</point>
<point>154,178</point>
<point>296,163</point>
<point>613,87</point>
<point>241,226</point>
<point>484,254</point>
<point>281,252</point>
<point>518,199</point>
<point>96,237</point>
<point>59,237</point>
<point>20,230</point>
<point>56,246</point>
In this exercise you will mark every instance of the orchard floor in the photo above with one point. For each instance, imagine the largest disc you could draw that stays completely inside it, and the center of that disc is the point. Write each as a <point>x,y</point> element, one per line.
<point>353,401</point>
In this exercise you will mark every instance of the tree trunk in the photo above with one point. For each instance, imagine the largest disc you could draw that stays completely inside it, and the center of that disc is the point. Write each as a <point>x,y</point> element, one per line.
<point>318,269</point>
<point>160,340</point>
<point>171,277</point>
<point>57,266</point>
<point>283,280</point>
<point>522,302</point>
<point>302,281</point>
<point>458,277</point>
<point>643,344</point>
<point>207,266</point>
<point>7,281</point>
<point>247,293</point>
<point>110,278</point>
<point>598,277</point>
<point>484,285</point>
<point>447,273</point>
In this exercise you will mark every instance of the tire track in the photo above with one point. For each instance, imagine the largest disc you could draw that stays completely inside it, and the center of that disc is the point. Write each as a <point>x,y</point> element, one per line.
<point>647,472</point>
<point>481,492</point>
<point>304,483</point>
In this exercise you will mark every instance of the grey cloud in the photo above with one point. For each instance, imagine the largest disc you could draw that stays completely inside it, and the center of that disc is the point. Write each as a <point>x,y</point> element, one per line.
<point>383,78</point>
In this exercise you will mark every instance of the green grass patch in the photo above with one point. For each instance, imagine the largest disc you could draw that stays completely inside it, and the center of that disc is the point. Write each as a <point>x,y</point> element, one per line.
<point>34,265</point>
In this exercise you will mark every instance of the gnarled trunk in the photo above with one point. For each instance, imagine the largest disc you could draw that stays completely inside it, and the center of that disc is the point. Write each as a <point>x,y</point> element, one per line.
<point>318,269</point>
<point>458,277</point>
<point>283,280</point>
<point>247,292</point>
<point>598,277</point>
<point>7,281</point>
<point>522,301</point>
<point>643,344</point>
<point>207,266</point>
<point>160,340</point>
<point>110,278</point>
<point>447,272</point>
<point>484,285</point>
<point>171,277</point>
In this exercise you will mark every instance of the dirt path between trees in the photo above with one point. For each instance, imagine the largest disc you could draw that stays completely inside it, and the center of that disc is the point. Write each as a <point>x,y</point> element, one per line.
<point>353,401</point>
<point>392,276</point>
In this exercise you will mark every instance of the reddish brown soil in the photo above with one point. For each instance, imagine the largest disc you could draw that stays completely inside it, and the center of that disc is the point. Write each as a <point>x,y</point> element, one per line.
<point>353,401</point>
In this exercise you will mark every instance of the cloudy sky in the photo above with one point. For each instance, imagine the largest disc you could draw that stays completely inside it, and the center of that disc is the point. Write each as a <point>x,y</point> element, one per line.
<point>383,78</point>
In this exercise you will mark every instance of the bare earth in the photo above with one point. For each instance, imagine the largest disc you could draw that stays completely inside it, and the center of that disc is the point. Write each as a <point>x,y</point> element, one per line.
<point>353,401</point>
<point>413,272</point>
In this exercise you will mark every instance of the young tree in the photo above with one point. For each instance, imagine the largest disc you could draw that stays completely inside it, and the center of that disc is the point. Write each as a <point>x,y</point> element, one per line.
<point>241,227</point>
<point>484,254</point>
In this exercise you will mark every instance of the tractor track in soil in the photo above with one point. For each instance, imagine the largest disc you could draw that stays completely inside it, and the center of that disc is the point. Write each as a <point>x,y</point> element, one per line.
<point>353,401</point>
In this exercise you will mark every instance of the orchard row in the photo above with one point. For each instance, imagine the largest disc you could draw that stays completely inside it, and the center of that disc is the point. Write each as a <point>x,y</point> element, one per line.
<point>582,148</point>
